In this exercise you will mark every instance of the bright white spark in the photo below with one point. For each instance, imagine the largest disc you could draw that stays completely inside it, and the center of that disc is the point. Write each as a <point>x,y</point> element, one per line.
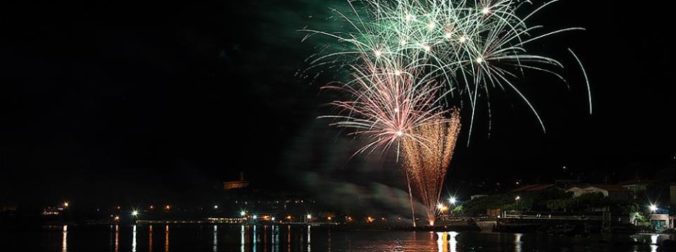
<point>485,11</point>
<point>462,39</point>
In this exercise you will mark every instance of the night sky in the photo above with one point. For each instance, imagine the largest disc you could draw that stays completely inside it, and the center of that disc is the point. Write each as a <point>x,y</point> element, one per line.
<point>114,101</point>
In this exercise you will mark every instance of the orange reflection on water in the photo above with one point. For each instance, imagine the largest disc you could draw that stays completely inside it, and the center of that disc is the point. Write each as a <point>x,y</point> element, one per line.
<point>150,238</point>
<point>265,238</point>
<point>288,238</point>
<point>446,241</point>
<point>117,238</point>
<point>166,238</point>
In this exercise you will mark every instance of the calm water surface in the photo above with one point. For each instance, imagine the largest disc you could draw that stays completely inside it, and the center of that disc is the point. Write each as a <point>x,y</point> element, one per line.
<point>274,238</point>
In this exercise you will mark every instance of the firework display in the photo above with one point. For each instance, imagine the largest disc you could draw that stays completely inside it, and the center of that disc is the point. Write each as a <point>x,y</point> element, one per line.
<point>412,61</point>
<point>470,47</point>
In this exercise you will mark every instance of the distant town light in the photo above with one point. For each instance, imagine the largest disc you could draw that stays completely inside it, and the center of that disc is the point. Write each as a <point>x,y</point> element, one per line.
<point>168,207</point>
<point>328,218</point>
<point>134,213</point>
<point>66,204</point>
<point>309,216</point>
<point>242,213</point>
<point>273,218</point>
<point>452,200</point>
<point>255,216</point>
<point>440,206</point>
<point>215,206</point>
<point>653,207</point>
<point>517,197</point>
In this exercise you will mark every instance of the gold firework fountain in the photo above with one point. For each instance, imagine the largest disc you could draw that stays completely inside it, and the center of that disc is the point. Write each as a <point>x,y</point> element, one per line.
<point>427,159</point>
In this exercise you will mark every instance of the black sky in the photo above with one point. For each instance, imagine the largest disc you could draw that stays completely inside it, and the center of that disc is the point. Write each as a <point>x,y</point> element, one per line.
<point>113,98</point>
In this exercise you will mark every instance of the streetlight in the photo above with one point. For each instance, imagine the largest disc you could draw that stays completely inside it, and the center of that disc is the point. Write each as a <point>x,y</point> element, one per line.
<point>242,213</point>
<point>134,214</point>
<point>440,206</point>
<point>309,216</point>
<point>255,216</point>
<point>517,198</point>
<point>215,206</point>
<point>66,204</point>
<point>452,200</point>
<point>653,208</point>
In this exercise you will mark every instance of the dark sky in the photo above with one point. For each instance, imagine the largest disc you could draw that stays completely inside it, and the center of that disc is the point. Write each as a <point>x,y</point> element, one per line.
<point>114,100</point>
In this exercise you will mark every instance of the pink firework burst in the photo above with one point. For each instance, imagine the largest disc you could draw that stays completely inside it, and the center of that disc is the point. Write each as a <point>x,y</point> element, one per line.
<point>386,103</point>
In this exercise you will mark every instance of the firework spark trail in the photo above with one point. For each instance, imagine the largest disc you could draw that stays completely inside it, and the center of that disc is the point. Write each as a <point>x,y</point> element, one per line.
<point>428,160</point>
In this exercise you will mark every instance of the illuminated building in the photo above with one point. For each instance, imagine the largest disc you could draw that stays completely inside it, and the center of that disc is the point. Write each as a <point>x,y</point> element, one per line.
<point>236,184</point>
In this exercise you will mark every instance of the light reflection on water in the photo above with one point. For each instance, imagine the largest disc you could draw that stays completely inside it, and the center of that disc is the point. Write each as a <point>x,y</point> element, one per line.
<point>517,242</point>
<point>117,238</point>
<point>653,242</point>
<point>309,231</point>
<point>215,238</point>
<point>166,238</point>
<point>447,242</point>
<point>150,238</point>
<point>264,238</point>
<point>133,241</point>
<point>254,239</point>
<point>242,240</point>
<point>64,239</point>
<point>453,242</point>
